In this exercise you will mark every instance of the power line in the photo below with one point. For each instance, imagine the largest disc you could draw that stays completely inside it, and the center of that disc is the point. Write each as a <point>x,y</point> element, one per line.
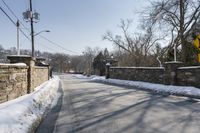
<point>44,46</point>
<point>54,43</point>
<point>28,30</point>
<point>7,16</point>
<point>14,14</point>
<point>24,34</point>
<point>17,19</point>
<point>9,9</point>
<point>13,22</point>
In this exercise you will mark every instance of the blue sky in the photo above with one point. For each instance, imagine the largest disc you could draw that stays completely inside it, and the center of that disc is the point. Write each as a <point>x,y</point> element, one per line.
<point>74,24</point>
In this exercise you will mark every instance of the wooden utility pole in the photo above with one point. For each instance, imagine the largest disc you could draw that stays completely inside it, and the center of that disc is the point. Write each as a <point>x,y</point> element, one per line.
<point>32,29</point>
<point>31,16</point>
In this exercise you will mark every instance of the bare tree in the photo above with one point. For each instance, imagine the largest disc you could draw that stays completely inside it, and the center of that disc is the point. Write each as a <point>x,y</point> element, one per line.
<point>124,42</point>
<point>136,46</point>
<point>76,63</point>
<point>59,62</point>
<point>177,18</point>
<point>88,56</point>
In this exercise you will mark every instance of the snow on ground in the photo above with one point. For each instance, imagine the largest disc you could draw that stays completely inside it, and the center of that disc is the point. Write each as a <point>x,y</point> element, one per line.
<point>157,88</point>
<point>23,114</point>
<point>13,64</point>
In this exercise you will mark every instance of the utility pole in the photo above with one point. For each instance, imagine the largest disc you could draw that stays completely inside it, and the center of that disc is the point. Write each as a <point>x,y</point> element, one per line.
<point>18,49</point>
<point>32,29</point>
<point>31,17</point>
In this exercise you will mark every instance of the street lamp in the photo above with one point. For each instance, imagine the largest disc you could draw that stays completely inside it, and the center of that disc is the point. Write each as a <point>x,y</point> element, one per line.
<point>41,32</point>
<point>112,57</point>
<point>32,34</point>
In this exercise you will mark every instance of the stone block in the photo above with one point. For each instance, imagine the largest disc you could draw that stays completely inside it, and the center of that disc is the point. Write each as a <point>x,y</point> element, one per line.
<point>4,77</point>
<point>3,98</point>
<point>188,74</point>
<point>191,79</point>
<point>2,84</point>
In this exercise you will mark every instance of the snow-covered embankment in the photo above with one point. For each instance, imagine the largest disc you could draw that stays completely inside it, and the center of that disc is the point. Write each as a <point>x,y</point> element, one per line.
<point>187,91</point>
<point>23,114</point>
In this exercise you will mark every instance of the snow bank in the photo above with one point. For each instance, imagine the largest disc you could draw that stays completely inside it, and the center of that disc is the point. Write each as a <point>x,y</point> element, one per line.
<point>85,77</point>
<point>138,67</point>
<point>158,88</point>
<point>23,114</point>
<point>13,64</point>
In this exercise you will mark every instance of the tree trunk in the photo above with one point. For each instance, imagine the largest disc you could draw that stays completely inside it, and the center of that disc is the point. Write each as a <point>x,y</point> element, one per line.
<point>181,32</point>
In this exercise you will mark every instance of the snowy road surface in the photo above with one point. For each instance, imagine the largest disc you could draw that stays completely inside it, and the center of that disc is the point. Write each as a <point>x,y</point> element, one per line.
<point>89,107</point>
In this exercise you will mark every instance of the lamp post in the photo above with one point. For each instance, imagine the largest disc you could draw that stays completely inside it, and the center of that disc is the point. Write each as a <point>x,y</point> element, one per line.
<point>108,70</point>
<point>109,62</point>
<point>33,50</point>
<point>18,49</point>
<point>41,32</point>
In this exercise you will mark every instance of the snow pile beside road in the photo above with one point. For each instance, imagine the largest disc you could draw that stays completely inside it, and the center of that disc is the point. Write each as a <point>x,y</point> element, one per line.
<point>23,114</point>
<point>80,76</point>
<point>158,88</point>
<point>13,64</point>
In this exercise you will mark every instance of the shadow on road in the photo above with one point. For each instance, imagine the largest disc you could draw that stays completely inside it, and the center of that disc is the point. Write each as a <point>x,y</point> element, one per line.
<point>103,108</point>
<point>47,125</point>
<point>96,109</point>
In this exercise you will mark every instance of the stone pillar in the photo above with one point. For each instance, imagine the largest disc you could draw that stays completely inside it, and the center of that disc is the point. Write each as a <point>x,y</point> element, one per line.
<point>31,75</point>
<point>30,62</point>
<point>170,74</point>
<point>20,59</point>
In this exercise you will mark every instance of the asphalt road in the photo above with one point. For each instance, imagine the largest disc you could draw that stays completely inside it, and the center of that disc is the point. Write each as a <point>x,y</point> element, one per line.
<point>89,107</point>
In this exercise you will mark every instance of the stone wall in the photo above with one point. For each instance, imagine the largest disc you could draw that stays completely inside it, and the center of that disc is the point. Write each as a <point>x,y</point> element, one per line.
<point>146,74</point>
<point>188,76</point>
<point>41,74</point>
<point>13,81</point>
<point>20,77</point>
<point>170,74</point>
<point>36,75</point>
